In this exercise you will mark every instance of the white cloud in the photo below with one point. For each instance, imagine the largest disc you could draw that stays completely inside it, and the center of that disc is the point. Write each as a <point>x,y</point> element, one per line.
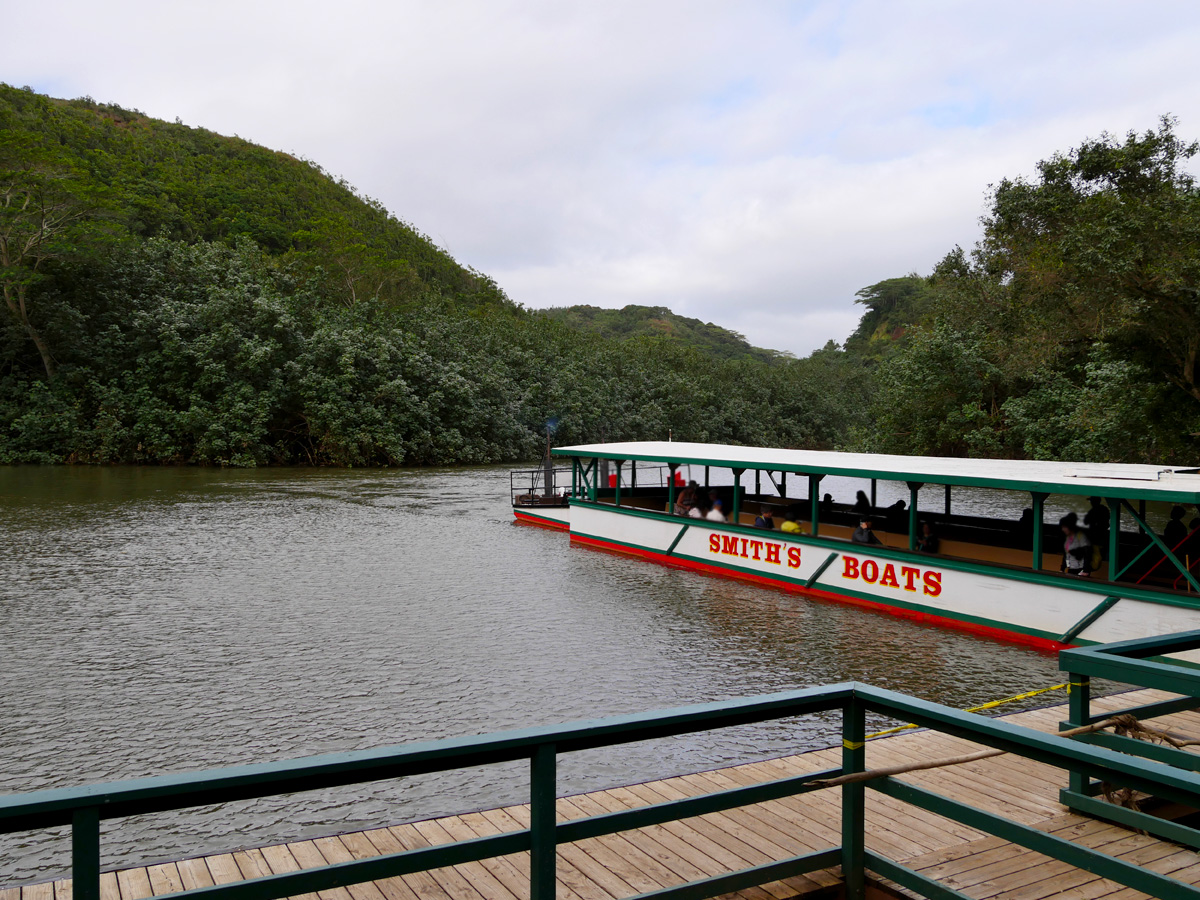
<point>751,165</point>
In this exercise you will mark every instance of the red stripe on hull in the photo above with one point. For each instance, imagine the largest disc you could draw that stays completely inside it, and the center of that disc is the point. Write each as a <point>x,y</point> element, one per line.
<point>527,519</point>
<point>990,631</point>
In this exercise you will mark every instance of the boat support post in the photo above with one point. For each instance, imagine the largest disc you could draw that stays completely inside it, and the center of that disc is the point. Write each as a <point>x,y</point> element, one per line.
<point>574,476</point>
<point>913,488</point>
<point>671,489</point>
<point>1039,513</point>
<point>1114,535</point>
<point>814,491</point>
<point>1077,629</point>
<point>617,494</point>
<point>678,538</point>
<point>737,496</point>
<point>812,579</point>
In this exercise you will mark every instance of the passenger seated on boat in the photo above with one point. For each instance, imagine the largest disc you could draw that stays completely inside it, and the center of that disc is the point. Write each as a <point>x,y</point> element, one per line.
<point>789,525</point>
<point>896,515</point>
<point>765,520</point>
<point>700,510</point>
<point>715,514</point>
<point>927,540</point>
<point>863,533</point>
<point>862,505</point>
<point>1175,531</point>
<point>826,506</point>
<point>686,499</point>
<point>1077,549</point>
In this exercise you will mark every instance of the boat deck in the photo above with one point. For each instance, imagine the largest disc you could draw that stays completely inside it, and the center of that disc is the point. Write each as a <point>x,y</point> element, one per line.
<point>648,859</point>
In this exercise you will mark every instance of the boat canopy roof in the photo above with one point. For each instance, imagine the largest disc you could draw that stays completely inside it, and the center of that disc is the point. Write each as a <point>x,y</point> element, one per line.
<point>1122,480</point>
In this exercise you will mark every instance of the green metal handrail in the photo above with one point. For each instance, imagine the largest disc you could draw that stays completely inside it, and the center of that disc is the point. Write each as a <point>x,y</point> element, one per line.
<point>1129,662</point>
<point>83,808</point>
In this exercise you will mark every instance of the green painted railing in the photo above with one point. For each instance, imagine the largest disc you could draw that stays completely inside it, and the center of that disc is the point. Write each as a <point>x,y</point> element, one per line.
<point>1130,662</point>
<point>84,808</point>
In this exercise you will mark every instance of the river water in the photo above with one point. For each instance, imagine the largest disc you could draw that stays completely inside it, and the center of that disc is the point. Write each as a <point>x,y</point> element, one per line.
<point>165,620</point>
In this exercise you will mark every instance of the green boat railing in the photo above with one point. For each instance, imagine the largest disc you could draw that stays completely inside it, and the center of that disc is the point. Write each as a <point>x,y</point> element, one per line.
<point>84,808</point>
<point>1142,663</point>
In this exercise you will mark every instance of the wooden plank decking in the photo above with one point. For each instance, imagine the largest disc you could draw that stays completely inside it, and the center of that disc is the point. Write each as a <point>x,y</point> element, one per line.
<point>633,862</point>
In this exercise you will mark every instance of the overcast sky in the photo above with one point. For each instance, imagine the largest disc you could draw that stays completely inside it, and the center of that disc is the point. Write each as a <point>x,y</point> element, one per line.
<point>749,164</point>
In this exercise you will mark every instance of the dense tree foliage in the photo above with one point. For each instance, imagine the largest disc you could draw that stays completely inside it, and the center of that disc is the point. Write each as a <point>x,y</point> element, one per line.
<point>1072,330</point>
<point>208,301</point>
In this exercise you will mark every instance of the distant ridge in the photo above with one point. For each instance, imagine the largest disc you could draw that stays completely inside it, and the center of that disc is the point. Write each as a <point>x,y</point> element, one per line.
<point>634,321</point>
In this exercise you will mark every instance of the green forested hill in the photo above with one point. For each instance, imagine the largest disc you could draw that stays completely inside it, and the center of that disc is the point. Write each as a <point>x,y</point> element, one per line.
<point>657,321</point>
<point>175,296</point>
<point>146,178</point>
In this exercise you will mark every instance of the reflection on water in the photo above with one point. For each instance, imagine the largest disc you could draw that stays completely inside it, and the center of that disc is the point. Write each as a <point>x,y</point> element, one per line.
<point>163,620</point>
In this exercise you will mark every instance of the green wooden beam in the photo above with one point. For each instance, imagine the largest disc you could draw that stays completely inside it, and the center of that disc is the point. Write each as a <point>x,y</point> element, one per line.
<point>737,496</point>
<point>913,488</point>
<point>1100,609</point>
<point>1114,536</point>
<point>1039,515</point>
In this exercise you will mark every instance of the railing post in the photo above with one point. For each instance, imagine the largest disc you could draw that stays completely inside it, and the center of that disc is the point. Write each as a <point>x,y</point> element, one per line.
<point>671,488</point>
<point>736,512</point>
<point>542,822</point>
<point>1079,711</point>
<point>617,496</point>
<point>854,755</point>
<point>574,476</point>
<point>85,853</point>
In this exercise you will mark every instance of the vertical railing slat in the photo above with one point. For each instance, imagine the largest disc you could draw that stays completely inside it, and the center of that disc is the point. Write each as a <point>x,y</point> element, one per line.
<point>85,853</point>
<point>854,757</point>
<point>543,790</point>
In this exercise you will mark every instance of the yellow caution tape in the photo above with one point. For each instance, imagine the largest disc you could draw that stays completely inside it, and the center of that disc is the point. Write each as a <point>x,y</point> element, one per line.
<point>853,745</point>
<point>989,705</point>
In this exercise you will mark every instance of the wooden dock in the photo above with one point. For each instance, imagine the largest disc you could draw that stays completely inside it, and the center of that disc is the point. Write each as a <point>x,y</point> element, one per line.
<point>623,865</point>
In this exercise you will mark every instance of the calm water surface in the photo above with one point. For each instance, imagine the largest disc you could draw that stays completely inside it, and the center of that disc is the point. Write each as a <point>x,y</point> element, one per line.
<point>165,620</point>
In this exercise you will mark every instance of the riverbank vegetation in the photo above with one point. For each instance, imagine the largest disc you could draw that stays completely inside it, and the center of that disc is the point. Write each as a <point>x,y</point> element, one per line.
<point>175,296</point>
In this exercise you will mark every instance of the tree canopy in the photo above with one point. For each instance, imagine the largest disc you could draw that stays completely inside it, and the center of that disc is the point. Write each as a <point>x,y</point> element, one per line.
<point>1072,330</point>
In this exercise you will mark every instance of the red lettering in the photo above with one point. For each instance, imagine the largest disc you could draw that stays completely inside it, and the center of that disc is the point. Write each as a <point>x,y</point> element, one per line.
<point>910,574</point>
<point>851,567</point>
<point>744,543</point>
<point>757,545</point>
<point>889,577</point>
<point>773,553</point>
<point>729,545</point>
<point>714,543</point>
<point>793,557</point>
<point>870,571</point>
<point>933,583</point>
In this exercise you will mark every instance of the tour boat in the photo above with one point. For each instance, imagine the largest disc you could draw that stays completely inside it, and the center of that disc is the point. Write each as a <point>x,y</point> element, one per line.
<point>995,575</point>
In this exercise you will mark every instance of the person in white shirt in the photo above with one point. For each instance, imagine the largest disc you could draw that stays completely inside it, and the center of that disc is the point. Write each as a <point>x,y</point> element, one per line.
<point>715,514</point>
